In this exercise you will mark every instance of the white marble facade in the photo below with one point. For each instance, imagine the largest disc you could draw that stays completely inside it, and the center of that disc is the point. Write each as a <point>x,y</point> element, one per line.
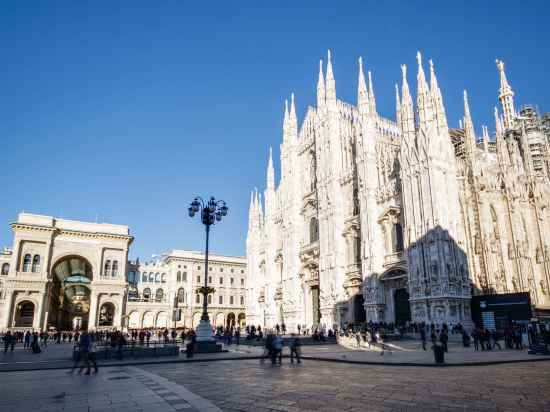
<point>383,220</point>
<point>63,274</point>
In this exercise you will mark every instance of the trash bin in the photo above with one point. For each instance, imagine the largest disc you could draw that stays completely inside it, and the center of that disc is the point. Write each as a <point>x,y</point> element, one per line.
<point>439,353</point>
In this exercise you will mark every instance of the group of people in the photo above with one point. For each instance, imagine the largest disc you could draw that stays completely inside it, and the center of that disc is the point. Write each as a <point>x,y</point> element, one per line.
<point>32,340</point>
<point>274,344</point>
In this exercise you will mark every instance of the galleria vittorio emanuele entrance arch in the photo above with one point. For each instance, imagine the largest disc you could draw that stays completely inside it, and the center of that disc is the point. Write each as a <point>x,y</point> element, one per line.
<point>69,305</point>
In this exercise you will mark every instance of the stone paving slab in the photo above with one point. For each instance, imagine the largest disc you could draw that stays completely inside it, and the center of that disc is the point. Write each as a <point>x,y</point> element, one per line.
<point>111,390</point>
<point>320,386</point>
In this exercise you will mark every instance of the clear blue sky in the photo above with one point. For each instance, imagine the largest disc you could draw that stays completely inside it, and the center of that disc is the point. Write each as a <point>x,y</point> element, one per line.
<point>127,110</point>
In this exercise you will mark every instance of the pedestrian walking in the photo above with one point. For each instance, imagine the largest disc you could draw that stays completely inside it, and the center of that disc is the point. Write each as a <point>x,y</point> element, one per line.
<point>295,348</point>
<point>277,351</point>
<point>9,341</point>
<point>423,336</point>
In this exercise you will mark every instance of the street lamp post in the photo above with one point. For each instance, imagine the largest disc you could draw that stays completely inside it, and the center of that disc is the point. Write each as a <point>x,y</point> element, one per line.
<point>211,211</point>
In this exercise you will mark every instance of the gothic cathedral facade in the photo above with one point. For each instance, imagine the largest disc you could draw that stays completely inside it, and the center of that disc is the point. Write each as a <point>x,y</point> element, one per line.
<point>394,221</point>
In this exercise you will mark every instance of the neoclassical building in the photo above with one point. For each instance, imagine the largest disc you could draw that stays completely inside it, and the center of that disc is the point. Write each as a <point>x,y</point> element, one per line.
<point>396,220</point>
<point>62,274</point>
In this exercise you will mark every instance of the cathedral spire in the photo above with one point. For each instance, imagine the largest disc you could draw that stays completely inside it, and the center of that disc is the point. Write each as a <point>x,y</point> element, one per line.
<point>372,99</point>
<point>270,172</point>
<point>485,132</point>
<point>321,86</point>
<point>285,122</point>
<point>293,121</point>
<point>330,83</point>
<point>397,106</point>
<point>437,98</point>
<point>506,97</point>
<point>423,98</point>
<point>407,110</point>
<point>362,94</point>
<point>469,133</point>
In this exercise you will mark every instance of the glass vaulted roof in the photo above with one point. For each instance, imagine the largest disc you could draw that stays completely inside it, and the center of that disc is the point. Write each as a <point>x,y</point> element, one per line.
<point>73,268</point>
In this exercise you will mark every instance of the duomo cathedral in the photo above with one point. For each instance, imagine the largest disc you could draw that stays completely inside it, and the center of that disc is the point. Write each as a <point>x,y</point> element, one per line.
<point>399,220</point>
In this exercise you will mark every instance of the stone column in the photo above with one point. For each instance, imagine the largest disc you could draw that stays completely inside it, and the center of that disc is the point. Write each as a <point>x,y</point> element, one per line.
<point>92,317</point>
<point>8,315</point>
<point>117,321</point>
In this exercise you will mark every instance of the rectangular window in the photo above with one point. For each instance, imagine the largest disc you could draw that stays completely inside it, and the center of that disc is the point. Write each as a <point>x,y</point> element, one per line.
<point>230,300</point>
<point>242,282</point>
<point>198,268</point>
<point>210,269</point>
<point>242,271</point>
<point>221,269</point>
<point>221,281</point>
<point>198,279</point>
<point>184,277</point>
<point>220,300</point>
<point>232,280</point>
<point>232,270</point>
<point>197,298</point>
<point>209,279</point>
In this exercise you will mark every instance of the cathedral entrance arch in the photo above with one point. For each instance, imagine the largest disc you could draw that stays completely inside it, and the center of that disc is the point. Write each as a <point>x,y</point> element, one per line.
<point>69,297</point>
<point>402,307</point>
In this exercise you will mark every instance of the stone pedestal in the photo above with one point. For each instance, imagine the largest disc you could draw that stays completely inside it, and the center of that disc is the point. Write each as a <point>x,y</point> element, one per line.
<point>206,343</point>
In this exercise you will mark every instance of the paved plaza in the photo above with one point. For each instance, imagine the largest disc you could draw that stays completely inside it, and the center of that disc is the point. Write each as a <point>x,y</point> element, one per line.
<point>327,380</point>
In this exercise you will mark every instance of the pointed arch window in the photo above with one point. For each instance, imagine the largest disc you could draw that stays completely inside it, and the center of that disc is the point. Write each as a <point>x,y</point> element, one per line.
<point>313,230</point>
<point>27,263</point>
<point>114,270</point>
<point>36,264</point>
<point>107,268</point>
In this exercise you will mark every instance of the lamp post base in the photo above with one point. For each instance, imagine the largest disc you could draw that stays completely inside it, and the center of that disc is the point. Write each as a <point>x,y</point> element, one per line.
<point>204,332</point>
<point>206,343</point>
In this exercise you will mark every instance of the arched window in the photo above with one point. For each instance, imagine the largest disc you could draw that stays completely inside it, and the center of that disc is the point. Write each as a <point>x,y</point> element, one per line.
<point>184,277</point>
<point>36,264</point>
<point>181,295</point>
<point>144,277</point>
<point>114,272</point>
<point>313,230</point>
<point>242,300</point>
<point>157,277</point>
<point>159,295</point>
<point>209,299</point>
<point>178,277</point>
<point>5,269</point>
<point>231,300</point>
<point>163,278</point>
<point>146,294</point>
<point>107,268</point>
<point>151,277</point>
<point>197,298</point>
<point>27,263</point>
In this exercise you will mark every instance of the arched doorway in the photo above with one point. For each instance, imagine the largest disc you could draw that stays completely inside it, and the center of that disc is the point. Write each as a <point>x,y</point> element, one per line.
<point>24,314</point>
<point>230,321</point>
<point>148,320</point>
<point>402,307</point>
<point>162,320</point>
<point>242,320</point>
<point>69,298</point>
<point>106,314</point>
<point>133,320</point>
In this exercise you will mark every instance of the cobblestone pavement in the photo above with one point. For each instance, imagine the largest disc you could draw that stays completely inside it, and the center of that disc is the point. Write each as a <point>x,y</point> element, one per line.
<point>323,386</point>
